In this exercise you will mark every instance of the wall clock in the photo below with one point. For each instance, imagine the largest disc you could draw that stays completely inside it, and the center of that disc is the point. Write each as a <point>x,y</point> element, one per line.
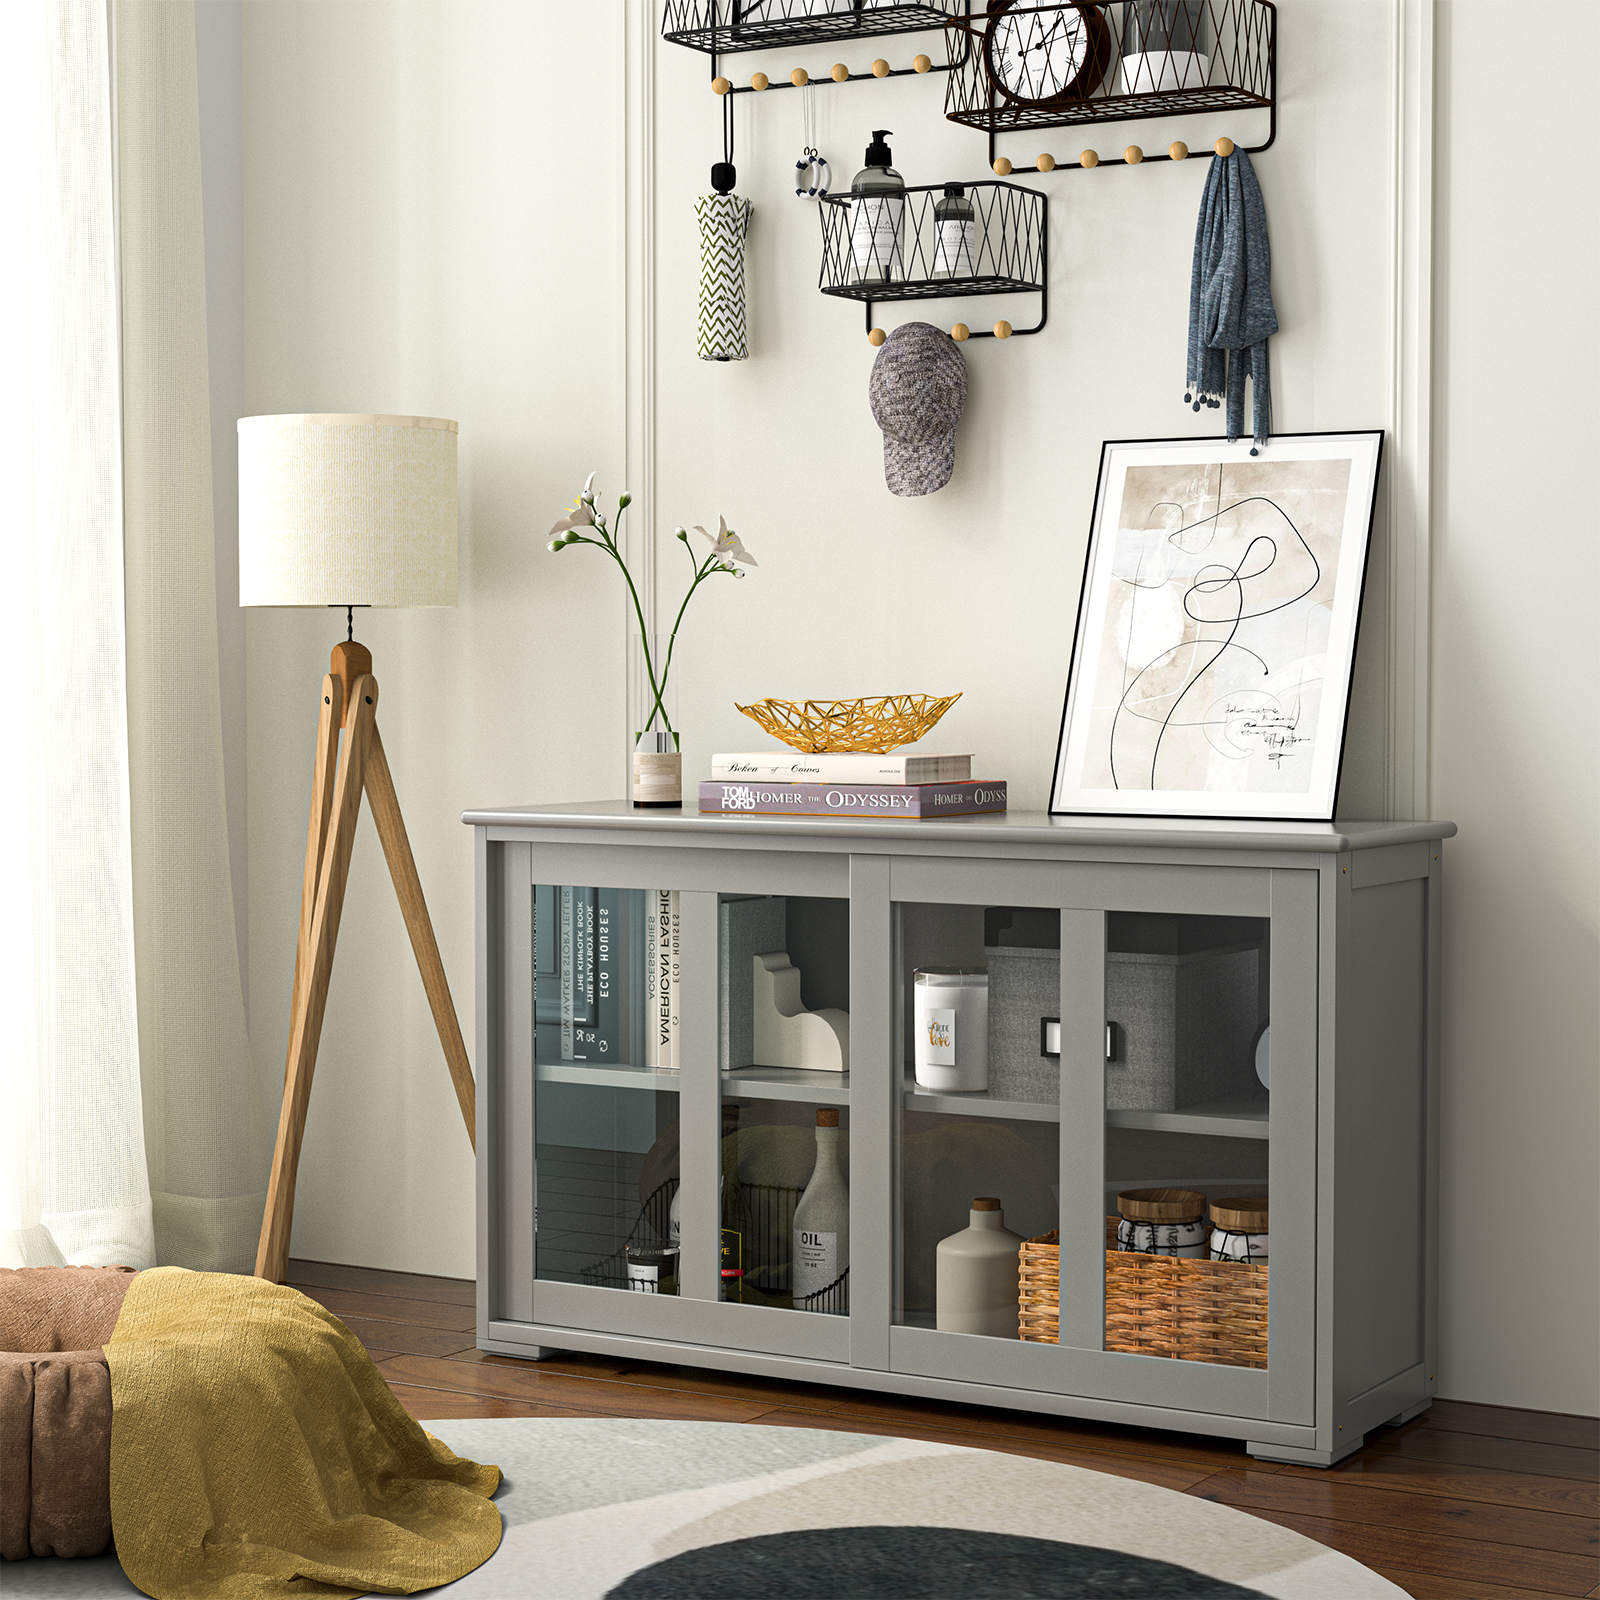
<point>1042,55</point>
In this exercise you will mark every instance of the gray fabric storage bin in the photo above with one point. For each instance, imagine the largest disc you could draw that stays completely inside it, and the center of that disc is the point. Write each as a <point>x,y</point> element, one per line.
<point>1024,986</point>
<point>1186,1026</point>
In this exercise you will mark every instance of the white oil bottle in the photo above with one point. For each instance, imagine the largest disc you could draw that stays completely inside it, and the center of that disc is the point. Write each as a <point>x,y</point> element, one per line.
<point>822,1221</point>
<point>975,1282</point>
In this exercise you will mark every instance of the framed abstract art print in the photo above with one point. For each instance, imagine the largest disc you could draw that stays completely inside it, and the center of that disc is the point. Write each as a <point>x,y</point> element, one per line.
<point>1216,632</point>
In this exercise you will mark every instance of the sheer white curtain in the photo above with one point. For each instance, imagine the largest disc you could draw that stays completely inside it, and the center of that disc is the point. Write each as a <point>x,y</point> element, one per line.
<point>205,1136</point>
<point>130,1122</point>
<point>73,1183</point>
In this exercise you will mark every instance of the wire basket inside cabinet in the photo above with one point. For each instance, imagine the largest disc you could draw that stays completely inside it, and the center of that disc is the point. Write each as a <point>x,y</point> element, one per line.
<point>1049,66</point>
<point>766,1280</point>
<point>877,247</point>
<point>1214,1311</point>
<point>726,27</point>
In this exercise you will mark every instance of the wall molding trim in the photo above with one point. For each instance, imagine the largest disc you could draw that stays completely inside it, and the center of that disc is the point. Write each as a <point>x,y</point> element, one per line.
<point>1409,472</point>
<point>637,111</point>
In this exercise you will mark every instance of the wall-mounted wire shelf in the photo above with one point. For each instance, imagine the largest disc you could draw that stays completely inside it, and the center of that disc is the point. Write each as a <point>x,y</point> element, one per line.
<point>726,27</point>
<point>1016,67</point>
<point>866,257</point>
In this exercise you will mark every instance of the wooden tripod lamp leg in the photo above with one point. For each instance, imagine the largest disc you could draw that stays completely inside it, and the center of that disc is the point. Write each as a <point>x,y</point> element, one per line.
<point>408,889</point>
<point>322,774</point>
<point>272,1254</point>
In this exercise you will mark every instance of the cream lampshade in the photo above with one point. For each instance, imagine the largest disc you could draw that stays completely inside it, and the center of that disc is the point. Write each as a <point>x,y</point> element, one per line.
<point>341,509</point>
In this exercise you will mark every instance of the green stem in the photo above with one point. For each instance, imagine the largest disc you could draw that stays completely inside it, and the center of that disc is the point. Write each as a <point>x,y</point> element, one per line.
<point>644,632</point>
<point>700,575</point>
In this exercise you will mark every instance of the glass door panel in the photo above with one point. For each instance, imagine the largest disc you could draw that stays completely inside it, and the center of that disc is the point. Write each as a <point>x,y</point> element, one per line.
<point>606,1096</point>
<point>977,1148</point>
<point>784,1059</point>
<point>1187,1138</point>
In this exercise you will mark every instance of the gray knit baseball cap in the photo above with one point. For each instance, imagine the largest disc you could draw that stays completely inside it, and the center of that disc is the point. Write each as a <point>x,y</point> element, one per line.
<point>917,390</point>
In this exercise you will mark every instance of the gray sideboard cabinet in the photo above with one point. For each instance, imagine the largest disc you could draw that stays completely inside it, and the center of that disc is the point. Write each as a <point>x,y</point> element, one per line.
<point>649,1090</point>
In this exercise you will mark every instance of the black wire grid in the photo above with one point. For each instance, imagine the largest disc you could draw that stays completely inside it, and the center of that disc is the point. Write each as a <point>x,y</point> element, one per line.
<point>1146,58</point>
<point>1009,252</point>
<point>726,27</point>
<point>771,1210</point>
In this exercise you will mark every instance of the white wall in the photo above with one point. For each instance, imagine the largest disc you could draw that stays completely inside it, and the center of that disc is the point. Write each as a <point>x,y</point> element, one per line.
<point>975,588</point>
<point>1516,560</point>
<point>434,223</point>
<point>431,228</point>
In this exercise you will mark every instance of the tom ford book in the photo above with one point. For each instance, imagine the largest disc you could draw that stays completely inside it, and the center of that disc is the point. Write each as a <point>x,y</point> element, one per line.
<point>914,800</point>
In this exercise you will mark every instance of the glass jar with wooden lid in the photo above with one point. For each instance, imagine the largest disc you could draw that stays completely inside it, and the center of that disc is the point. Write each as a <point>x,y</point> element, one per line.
<point>1162,1222</point>
<point>1239,1229</point>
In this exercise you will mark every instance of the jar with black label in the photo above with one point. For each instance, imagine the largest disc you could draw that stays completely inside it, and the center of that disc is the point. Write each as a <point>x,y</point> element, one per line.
<point>1239,1229</point>
<point>652,1269</point>
<point>1162,1222</point>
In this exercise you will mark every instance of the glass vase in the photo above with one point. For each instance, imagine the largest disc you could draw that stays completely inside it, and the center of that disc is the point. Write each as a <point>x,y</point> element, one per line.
<point>655,757</point>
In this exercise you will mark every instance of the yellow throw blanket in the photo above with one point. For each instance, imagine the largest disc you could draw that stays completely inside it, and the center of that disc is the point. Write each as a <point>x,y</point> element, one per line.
<point>256,1451</point>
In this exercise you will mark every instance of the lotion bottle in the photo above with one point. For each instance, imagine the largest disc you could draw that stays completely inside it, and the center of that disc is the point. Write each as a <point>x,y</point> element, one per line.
<point>975,1282</point>
<point>954,247</point>
<point>877,216</point>
<point>822,1219</point>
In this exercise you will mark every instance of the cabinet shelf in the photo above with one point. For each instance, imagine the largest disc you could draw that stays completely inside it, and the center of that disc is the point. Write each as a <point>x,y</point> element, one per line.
<point>1228,1119</point>
<point>611,1075</point>
<point>788,1083</point>
<point>976,1103</point>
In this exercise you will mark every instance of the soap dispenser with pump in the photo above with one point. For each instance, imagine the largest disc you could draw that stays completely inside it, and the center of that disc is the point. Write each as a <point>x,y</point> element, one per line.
<point>877,216</point>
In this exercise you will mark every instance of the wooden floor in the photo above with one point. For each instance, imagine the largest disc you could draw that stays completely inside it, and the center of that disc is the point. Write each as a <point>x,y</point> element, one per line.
<point>1467,1502</point>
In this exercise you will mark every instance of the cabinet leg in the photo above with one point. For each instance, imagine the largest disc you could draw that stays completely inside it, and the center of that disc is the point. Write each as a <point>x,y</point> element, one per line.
<point>1306,1458</point>
<point>1405,1416</point>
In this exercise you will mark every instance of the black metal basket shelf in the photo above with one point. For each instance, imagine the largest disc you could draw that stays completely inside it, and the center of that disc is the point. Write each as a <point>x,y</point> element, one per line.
<point>1010,253</point>
<point>1225,60</point>
<point>726,27</point>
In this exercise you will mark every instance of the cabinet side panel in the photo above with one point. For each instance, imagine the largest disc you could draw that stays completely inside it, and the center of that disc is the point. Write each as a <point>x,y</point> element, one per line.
<point>511,976</point>
<point>1381,1158</point>
<point>485,995</point>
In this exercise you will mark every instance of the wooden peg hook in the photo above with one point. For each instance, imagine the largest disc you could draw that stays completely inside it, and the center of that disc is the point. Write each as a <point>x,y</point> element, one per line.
<point>1224,147</point>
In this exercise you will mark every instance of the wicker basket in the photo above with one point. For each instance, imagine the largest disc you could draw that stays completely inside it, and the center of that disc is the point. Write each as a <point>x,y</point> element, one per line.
<point>1212,1311</point>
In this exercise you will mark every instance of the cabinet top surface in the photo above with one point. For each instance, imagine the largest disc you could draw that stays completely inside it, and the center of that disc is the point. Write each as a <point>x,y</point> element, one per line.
<point>1012,827</point>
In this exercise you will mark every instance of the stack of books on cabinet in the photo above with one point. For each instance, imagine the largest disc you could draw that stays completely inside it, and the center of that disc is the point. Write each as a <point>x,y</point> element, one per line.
<point>795,783</point>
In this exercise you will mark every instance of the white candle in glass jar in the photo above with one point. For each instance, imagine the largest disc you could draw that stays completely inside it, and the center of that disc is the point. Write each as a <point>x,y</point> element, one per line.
<point>950,1021</point>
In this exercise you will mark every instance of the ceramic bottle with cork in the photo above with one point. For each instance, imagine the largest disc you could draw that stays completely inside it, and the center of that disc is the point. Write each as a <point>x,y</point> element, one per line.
<point>822,1219</point>
<point>975,1282</point>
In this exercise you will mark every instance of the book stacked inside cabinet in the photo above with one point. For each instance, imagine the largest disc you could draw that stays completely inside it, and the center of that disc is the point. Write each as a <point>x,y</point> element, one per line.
<point>661,981</point>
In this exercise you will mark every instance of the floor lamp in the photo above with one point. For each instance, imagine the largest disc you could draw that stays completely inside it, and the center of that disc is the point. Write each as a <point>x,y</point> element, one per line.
<point>346,511</point>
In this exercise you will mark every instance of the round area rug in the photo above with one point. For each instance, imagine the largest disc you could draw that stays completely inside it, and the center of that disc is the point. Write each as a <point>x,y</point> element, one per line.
<point>613,1509</point>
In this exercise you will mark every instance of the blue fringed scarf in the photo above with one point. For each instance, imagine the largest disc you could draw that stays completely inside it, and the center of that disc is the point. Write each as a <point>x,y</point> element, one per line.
<point>1230,297</point>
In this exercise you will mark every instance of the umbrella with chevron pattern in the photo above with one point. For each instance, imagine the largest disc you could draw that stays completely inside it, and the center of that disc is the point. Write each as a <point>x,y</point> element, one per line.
<point>724,220</point>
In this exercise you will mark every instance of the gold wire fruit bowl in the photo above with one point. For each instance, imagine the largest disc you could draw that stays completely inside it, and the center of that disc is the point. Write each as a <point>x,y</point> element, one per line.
<point>872,727</point>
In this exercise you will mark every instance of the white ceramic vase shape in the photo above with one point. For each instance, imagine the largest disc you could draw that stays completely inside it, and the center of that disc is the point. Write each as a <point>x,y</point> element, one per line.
<point>822,1219</point>
<point>975,1283</point>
